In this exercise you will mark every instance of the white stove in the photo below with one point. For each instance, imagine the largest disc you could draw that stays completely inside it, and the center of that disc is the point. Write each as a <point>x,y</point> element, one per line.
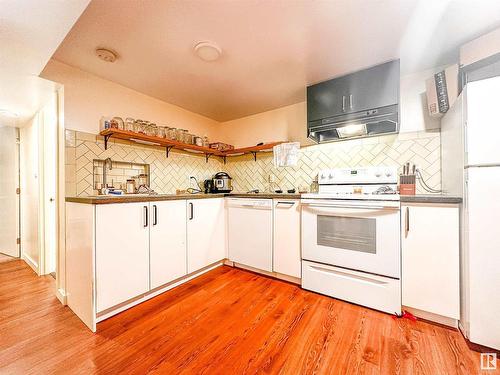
<point>351,237</point>
<point>364,183</point>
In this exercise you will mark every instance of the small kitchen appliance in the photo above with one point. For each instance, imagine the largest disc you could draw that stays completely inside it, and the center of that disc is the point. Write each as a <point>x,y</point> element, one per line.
<point>222,183</point>
<point>351,237</point>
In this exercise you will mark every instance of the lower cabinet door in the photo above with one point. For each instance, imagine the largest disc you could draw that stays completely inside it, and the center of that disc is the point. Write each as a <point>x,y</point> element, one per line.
<point>206,234</point>
<point>167,241</point>
<point>122,253</point>
<point>430,258</point>
<point>286,255</point>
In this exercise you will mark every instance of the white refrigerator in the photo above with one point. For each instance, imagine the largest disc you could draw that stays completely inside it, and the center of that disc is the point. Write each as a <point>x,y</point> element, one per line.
<point>470,151</point>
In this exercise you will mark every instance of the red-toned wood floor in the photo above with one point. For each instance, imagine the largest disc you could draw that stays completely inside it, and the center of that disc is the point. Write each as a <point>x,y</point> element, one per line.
<point>228,321</point>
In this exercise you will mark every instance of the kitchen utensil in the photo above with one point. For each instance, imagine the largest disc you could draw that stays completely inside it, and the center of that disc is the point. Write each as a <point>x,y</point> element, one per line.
<point>222,183</point>
<point>208,186</point>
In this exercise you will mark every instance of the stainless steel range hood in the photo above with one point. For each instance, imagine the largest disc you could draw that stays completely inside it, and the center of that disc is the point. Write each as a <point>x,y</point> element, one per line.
<point>355,125</point>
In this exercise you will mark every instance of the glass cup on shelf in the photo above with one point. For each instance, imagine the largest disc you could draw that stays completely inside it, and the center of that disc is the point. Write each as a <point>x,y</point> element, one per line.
<point>206,142</point>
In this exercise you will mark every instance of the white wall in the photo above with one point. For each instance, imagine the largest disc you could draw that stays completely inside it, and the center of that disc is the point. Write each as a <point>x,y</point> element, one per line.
<point>289,123</point>
<point>88,97</point>
<point>480,48</point>
<point>30,192</point>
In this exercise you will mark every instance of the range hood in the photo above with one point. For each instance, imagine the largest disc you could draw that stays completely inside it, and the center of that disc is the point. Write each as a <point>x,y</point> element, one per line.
<point>356,125</point>
<point>361,104</point>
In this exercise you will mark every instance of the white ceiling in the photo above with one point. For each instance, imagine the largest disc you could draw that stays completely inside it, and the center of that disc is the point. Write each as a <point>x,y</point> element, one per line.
<point>271,49</point>
<point>30,32</point>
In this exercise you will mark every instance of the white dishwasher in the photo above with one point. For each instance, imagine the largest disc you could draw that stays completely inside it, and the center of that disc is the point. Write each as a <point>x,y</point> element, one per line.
<point>250,232</point>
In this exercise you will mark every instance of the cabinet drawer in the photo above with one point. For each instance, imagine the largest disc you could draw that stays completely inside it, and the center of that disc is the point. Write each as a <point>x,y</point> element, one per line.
<point>377,292</point>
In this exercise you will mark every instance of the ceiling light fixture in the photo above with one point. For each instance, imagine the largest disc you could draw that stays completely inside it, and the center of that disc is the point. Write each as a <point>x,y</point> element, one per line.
<point>106,54</point>
<point>7,113</point>
<point>207,51</point>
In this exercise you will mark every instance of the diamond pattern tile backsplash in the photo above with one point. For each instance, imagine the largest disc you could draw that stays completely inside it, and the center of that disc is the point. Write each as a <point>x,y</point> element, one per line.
<point>169,174</point>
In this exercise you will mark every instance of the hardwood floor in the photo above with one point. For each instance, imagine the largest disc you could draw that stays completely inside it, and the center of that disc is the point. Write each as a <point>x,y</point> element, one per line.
<point>227,321</point>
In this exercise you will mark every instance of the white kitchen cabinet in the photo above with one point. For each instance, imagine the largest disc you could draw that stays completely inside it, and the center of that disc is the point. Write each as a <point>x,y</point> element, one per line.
<point>250,236</point>
<point>168,260</point>
<point>121,252</point>
<point>206,234</point>
<point>286,238</point>
<point>430,258</point>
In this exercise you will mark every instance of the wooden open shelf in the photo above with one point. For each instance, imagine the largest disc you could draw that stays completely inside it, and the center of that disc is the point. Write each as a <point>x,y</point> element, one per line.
<point>170,144</point>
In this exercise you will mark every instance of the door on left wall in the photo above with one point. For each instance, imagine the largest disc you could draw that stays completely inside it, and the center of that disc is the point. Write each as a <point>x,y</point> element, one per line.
<point>9,199</point>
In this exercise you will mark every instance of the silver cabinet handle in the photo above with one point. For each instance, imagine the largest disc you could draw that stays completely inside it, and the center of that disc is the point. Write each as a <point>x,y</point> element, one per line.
<point>146,223</point>
<point>350,101</point>
<point>191,211</point>
<point>407,221</point>
<point>343,103</point>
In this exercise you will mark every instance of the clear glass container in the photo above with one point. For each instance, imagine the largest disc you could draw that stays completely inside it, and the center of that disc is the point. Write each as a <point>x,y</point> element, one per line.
<point>139,127</point>
<point>162,132</point>
<point>188,138</point>
<point>117,123</point>
<point>206,142</point>
<point>129,124</point>
<point>153,130</point>
<point>182,135</point>
<point>172,134</point>
<point>198,141</point>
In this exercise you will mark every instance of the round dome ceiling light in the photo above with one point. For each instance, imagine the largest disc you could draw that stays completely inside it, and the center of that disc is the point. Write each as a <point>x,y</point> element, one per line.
<point>207,51</point>
<point>106,55</point>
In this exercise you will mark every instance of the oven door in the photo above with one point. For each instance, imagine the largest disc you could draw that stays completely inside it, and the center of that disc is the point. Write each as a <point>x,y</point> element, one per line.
<point>359,235</point>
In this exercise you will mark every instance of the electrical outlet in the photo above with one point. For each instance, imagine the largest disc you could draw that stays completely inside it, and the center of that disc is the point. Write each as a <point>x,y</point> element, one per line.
<point>272,178</point>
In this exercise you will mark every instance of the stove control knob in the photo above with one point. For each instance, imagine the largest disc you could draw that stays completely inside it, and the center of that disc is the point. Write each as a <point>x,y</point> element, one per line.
<point>378,174</point>
<point>322,177</point>
<point>330,176</point>
<point>388,173</point>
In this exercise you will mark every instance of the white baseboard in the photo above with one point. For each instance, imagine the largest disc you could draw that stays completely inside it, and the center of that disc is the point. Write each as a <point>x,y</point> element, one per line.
<point>61,296</point>
<point>276,275</point>
<point>30,262</point>
<point>444,320</point>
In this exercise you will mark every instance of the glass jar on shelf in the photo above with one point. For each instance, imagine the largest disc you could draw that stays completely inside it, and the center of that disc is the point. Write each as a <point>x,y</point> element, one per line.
<point>117,123</point>
<point>139,127</point>
<point>129,124</point>
<point>172,134</point>
<point>206,142</point>
<point>153,130</point>
<point>162,132</point>
<point>181,135</point>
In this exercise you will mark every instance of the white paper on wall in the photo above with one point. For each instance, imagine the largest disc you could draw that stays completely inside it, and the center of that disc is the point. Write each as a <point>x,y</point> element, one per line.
<point>286,154</point>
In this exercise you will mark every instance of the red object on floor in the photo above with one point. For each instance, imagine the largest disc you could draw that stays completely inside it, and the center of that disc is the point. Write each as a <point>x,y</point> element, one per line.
<point>407,315</point>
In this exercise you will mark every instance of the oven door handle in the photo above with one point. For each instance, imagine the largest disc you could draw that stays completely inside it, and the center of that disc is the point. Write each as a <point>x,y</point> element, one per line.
<point>345,206</point>
<point>357,211</point>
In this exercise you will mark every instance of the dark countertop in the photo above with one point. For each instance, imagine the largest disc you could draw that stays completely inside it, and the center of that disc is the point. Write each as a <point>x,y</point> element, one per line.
<point>106,199</point>
<point>264,195</point>
<point>430,198</point>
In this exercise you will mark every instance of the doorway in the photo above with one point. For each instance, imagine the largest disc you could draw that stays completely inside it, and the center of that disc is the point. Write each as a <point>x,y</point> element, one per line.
<point>9,197</point>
